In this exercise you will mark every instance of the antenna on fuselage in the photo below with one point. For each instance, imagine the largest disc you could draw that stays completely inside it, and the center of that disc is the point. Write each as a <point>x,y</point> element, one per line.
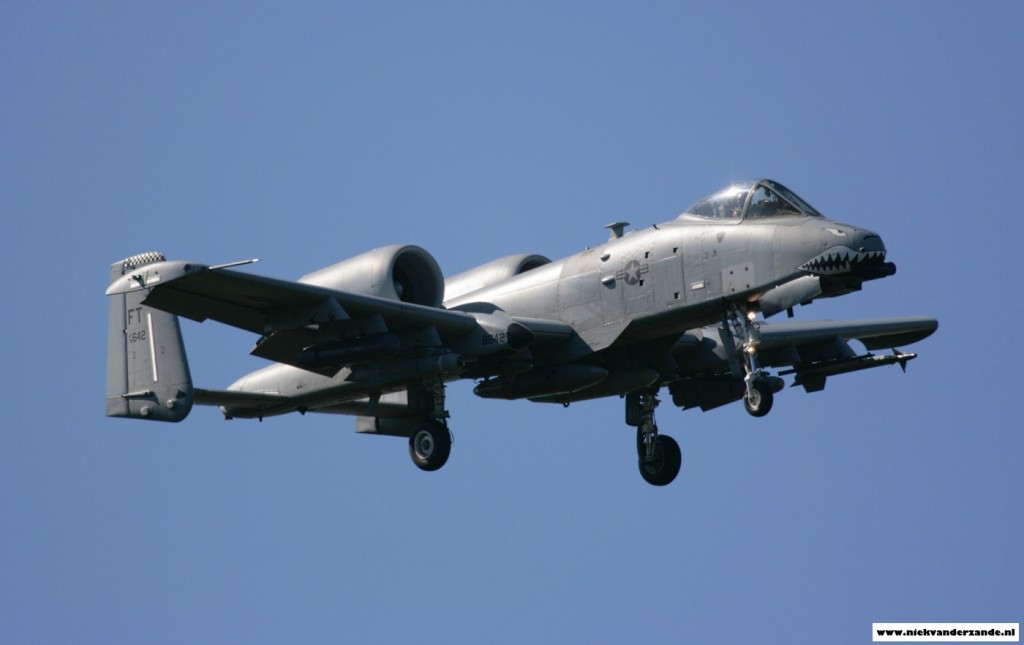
<point>616,228</point>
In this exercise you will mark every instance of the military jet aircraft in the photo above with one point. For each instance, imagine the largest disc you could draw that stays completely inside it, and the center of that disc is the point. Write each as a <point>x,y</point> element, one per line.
<point>675,306</point>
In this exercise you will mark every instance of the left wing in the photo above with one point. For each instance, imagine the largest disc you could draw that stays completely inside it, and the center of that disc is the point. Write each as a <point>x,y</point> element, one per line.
<point>264,305</point>
<point>321,329</point>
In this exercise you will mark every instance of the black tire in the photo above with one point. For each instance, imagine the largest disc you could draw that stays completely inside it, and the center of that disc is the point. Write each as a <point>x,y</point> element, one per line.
<point>430,445</point>
<point>761,404</point>
<point>663,468</point>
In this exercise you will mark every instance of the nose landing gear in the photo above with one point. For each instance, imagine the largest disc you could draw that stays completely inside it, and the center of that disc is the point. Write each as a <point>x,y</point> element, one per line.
<point>758,398</point>
<point>760,385</point>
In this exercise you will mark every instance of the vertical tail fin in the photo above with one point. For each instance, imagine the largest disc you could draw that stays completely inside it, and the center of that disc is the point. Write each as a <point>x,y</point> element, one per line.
<point>147,370</point>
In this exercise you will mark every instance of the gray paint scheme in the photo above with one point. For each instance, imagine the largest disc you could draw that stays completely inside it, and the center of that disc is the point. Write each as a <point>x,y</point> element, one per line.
<point>377,336</point>
<point>147,371</point>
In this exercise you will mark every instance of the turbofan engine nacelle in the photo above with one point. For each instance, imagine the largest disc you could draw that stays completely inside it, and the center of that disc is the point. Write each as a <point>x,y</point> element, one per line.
<point>493,272</point>
<point>398,272</point>
<point>560,379</point>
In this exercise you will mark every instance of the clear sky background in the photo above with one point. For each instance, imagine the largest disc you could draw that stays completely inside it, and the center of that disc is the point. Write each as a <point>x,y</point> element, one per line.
<point>306,133</point>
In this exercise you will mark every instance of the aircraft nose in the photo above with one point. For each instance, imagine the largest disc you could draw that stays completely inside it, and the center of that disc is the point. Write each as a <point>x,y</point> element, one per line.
<point>869,263</point>
<point>850,251</point>
<point>867,241</point>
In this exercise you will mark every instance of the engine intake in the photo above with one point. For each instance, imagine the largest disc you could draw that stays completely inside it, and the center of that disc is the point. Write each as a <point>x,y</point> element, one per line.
<point>398,272</point>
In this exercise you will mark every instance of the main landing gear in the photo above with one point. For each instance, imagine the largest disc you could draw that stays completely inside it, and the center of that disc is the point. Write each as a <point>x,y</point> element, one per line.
<point>430,443</point>
<point>659,456</point>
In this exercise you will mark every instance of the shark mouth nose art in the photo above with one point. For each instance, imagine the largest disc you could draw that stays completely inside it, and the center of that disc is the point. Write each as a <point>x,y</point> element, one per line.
<point>842,259</point>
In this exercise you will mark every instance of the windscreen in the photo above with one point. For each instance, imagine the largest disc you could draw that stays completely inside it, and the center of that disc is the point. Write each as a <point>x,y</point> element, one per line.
<point>727,203</point>
<point>752,200</point>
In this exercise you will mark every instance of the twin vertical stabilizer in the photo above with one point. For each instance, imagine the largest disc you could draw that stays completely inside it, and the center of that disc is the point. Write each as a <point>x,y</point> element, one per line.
<point>147,370</point>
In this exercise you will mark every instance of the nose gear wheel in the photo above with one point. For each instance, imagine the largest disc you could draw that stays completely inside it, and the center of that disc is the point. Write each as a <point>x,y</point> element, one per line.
<point>759,395</point>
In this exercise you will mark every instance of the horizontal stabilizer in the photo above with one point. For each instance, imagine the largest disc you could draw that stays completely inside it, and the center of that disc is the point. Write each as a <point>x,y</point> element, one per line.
<point>232,397</point>
<point>244,405</point>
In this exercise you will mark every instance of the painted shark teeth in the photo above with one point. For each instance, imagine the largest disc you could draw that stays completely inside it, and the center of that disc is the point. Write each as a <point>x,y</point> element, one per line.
<point>841,259</point>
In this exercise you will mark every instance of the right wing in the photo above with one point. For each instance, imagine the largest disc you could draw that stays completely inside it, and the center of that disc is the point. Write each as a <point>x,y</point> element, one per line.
<point>819,349</point>
<point>874,334</point>
<point>711,372</point>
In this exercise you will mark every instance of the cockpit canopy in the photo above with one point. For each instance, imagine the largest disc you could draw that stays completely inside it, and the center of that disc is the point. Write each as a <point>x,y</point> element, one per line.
<point>752,200</point>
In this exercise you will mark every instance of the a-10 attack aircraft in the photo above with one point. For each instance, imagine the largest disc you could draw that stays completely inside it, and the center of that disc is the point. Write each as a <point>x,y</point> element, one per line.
<point>673,306</point>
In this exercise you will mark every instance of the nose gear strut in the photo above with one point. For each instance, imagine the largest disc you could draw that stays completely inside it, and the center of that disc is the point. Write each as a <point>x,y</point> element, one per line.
<point>746,339</point>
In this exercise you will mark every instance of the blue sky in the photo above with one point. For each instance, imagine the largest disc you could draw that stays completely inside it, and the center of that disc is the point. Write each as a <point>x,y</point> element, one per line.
<point>306,134</point>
